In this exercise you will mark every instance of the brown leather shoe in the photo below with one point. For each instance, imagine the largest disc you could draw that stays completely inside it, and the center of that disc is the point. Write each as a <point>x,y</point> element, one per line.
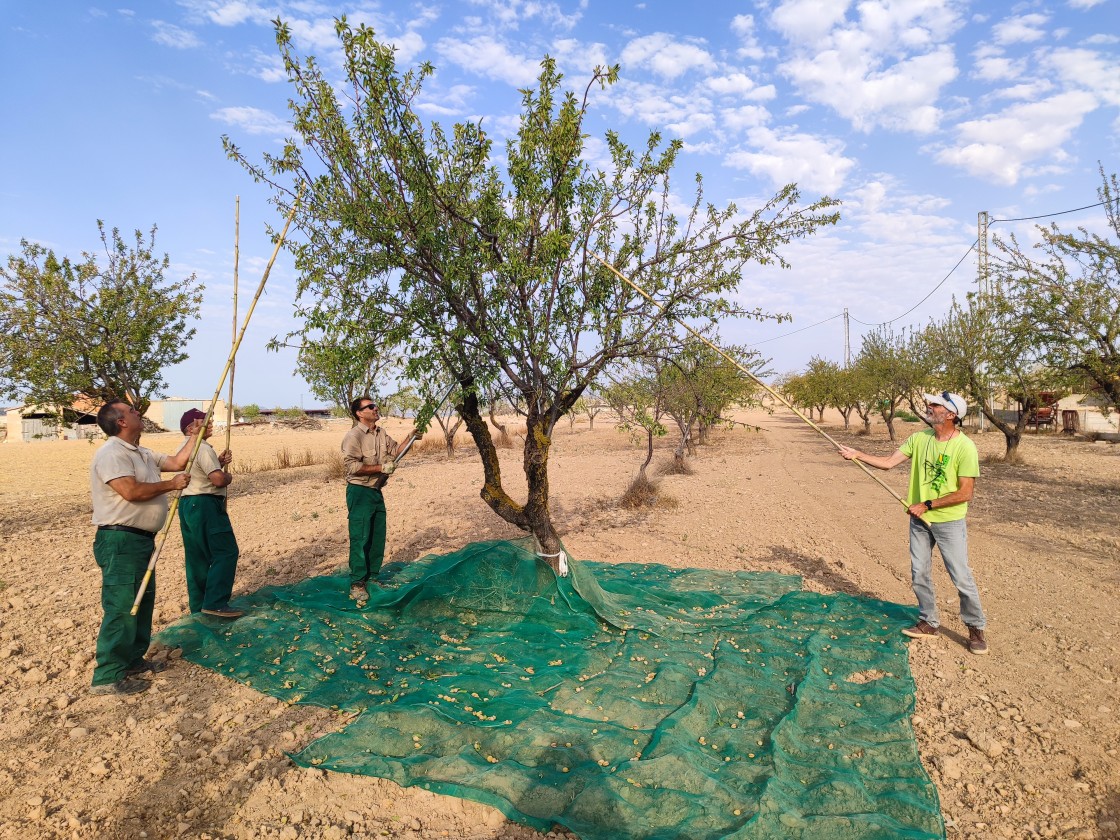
<point>976,642</point>
<point>922,630</point>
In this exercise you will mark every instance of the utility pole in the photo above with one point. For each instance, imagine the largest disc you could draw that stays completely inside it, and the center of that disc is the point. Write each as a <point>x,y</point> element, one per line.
<point>847,342</point>
<point>983,282</point>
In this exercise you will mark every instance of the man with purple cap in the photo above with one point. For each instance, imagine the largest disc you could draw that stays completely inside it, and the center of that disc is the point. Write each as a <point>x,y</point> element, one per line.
<point>944,467</point>
<point>209,546</point>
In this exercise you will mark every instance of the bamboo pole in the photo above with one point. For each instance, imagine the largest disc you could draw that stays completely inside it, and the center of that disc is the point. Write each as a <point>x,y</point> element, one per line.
<point>233,365</point>
<point>210,413</point>
<point>756,380</point>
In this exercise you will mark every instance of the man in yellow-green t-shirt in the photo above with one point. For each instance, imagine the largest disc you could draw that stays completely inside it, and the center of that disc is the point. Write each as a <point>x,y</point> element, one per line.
<point>943,470</point>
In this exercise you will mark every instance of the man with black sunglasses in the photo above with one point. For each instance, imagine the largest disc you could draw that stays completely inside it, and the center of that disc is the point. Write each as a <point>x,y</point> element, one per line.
<point>368,455</point>
<point>944,467</point>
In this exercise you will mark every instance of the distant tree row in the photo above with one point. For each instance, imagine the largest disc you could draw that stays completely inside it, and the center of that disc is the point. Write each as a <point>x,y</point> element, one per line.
<point>1049,325</point>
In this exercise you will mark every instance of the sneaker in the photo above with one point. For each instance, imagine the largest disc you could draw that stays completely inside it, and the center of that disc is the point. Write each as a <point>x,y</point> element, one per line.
<point>922,630</point>
<point>145,666</point>
<point>120,688</point>
<point>976,642</point>
<point>224,612</point>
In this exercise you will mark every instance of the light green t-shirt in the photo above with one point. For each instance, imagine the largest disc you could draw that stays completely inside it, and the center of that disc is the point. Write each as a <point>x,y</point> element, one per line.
<point>935,468</point>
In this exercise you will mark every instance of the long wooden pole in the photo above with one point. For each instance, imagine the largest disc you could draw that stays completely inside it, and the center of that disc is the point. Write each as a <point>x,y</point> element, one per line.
<point>233,340</point>
<point>756,380</point>
<point>210,414</point>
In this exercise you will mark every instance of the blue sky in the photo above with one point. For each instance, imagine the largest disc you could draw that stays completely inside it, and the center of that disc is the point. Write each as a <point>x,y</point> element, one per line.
<point>917,114</point>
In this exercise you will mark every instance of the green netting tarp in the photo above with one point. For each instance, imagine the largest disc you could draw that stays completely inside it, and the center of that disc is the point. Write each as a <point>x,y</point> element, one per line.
<point>624,701</point>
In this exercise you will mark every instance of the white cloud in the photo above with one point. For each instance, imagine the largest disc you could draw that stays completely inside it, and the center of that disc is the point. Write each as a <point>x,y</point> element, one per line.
<point>450,102</point>
<point>1022,29</point>
<point>234,12</point>
<point>252,120</point>
<point>174,36</point>
<point>999,68</point>
<point>815,163</point>
<point>901,96</point>
<point>578,59</point>
<point>1084,4</point>
<point>745,116</point>
<point>656,106</point>
<point>691,124</point>
<point>733,84</point>
<point>1086,69</point>
<point>997,147</point>
<point>665,56</point>
<point>884,67</point>
<point>490,58</point>
<point>744,27</point>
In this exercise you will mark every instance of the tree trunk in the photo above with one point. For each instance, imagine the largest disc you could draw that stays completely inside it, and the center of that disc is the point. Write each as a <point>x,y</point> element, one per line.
<point>846,413</point>
<point>649,453</point>
<point>534,515</point>
<point>889,418</point>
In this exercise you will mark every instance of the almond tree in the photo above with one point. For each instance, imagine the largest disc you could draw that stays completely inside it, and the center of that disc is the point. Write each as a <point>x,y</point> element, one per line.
<point>486,265</point>
<point>105,327</point>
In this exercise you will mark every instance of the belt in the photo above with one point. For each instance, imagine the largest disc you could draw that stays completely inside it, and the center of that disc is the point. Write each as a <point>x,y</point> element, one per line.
<point>140,532</point>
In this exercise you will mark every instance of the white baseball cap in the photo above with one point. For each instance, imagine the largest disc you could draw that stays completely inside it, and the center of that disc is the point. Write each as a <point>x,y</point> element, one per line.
<point>954,402</point>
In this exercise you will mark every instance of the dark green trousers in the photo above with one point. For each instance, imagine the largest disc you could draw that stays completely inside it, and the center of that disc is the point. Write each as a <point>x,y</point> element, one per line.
<point>366,518</point>
<point>210,550</point>
<point>124,638</point>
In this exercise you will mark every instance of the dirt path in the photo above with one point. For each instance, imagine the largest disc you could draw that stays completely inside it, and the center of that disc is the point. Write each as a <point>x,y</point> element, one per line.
<point>1020,743</point>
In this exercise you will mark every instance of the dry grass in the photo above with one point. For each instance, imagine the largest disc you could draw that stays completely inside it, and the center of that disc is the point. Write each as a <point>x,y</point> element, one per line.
<point>675,466</point>
<point>334,467</point>
<point>283,459</point>
<point>643,493</point>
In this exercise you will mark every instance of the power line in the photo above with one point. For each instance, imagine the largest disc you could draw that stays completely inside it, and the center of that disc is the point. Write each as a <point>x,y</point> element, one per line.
<point>971,248</point>
<point>927,297</point>
<point>795,332</point>
<point>1048,215</point>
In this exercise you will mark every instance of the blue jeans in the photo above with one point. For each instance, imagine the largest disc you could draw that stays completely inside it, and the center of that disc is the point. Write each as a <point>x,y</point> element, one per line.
<point>951,539</point>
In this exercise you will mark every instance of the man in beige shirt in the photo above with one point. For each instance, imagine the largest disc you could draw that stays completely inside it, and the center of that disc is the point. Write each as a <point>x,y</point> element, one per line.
<point>129,506</point>
<point>368,455</point>
<point>209,546</point>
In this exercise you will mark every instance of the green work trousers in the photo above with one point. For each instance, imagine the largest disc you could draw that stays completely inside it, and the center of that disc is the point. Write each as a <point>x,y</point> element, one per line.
<point>124,638</point>
<point>366,518</point>
<point>210,550</point>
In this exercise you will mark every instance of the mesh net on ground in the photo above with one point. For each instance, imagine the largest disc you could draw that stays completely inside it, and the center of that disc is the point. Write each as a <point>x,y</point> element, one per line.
<point>624,701</point>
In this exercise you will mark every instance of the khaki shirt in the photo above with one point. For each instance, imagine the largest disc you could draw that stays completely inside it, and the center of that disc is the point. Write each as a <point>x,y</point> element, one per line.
<point>205,462</point>
<point>363,446</point>
<point>117,459</point>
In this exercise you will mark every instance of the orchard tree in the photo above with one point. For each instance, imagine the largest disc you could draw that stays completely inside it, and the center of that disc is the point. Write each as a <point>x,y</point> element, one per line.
<point>1072,294</point>
<point>104,327</point>
<point>988,347</point>
<point>489,267</point>
<point>895,367</point>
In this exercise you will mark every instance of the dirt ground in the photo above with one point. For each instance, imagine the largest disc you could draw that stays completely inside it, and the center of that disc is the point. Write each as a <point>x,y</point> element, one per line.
<point>1021,743</point>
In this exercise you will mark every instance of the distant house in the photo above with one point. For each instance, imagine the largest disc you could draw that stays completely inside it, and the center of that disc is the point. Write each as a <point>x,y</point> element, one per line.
<point>29,423</point>
<point>317,413</point>
<point>1089,417</point>
<point>167,413</point>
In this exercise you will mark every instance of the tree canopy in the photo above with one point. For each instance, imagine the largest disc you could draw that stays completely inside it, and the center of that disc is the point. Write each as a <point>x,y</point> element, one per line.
<point>105,327</point>
<point>485,266</point>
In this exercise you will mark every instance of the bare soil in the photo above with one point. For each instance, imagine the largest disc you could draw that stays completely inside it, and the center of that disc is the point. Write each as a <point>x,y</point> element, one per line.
<point>1021,743</point>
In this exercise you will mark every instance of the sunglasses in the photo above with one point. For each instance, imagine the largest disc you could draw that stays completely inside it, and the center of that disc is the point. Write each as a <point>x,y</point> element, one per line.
<point>364,407</point>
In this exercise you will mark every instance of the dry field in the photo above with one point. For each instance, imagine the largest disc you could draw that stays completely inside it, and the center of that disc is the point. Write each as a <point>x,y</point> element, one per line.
<point>1021,743</point>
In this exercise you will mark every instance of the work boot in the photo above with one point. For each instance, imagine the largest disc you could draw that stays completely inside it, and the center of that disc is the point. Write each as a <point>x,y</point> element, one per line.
<point>120,688</point>
<point>359,593</point>
<point>224,612</point>
<point>976,642</point>
<point>922,630</point>
<point>145,666</point>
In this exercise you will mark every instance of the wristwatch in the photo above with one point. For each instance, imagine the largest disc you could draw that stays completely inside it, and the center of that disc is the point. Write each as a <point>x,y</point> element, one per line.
<point>929,504</point>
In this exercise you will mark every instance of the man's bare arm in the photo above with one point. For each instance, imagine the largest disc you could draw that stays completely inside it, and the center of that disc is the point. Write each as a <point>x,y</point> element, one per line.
<point>131,490</point>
